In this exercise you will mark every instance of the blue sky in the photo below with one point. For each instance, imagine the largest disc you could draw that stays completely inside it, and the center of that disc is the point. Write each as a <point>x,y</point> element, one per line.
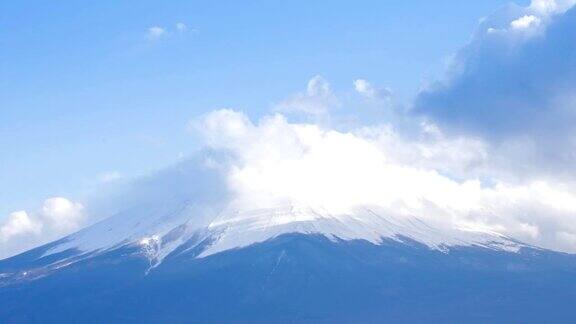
<point>85,91</point>
<point>461,113</point>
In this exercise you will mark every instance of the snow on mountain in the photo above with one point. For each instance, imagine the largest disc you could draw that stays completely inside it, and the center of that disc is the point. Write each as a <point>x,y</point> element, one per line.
<point>160,231</point>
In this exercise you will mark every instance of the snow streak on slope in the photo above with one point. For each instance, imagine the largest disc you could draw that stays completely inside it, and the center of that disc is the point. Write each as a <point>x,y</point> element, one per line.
<point>141,225</point>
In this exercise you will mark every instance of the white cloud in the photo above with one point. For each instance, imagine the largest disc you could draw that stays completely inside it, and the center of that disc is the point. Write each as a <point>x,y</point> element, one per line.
<point>366,89</point>
<point>23,230</point>
<point>317,100</point>
<point>512,86</point>
<point>533,19</point>
<point>275,162</point>
<point>550,7</point>
<point>181,27</point>
<point>525,22</point>
<point>158,32</point>
<point>544,6</point>
<point>111,176</point>
<point>155,32</point>
<point>18,223</point>
<point>363,87</point>
<point>62,214</point>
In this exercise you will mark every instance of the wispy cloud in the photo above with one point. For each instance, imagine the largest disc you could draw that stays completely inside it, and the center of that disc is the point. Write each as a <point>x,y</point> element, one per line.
<point>156,32</point>
<point>318,99</point>
<point>367,90</point>
<point>110,176</point>
<point>181,27</point>
<point>159,32</point>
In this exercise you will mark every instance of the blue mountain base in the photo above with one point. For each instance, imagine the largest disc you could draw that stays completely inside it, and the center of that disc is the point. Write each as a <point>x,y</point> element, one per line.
<point>298,278</point>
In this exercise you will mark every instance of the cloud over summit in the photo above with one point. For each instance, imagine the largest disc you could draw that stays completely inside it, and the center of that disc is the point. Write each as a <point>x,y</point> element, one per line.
<point>275,162</point>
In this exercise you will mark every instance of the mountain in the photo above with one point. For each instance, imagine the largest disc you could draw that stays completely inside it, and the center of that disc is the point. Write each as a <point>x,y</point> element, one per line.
<point>285,264</point>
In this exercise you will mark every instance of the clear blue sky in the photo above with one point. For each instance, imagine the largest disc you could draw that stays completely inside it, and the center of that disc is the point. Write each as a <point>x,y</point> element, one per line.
<point>85,90</point>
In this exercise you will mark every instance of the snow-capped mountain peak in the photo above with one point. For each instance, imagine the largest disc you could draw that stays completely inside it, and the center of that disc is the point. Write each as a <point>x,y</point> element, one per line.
<point>159,232</point>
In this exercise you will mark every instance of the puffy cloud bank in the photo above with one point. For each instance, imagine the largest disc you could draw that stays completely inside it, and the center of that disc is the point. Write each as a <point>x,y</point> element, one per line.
<point>23,230</point>
<point>514,85</point>
<point>275,162</point>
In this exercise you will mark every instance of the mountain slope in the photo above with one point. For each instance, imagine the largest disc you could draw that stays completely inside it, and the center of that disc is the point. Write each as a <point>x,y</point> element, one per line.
<point>304,278</point>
